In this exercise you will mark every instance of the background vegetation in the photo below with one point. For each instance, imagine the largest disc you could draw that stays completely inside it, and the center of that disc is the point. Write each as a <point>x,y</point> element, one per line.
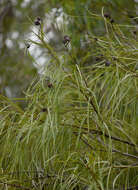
<point>75,125</point>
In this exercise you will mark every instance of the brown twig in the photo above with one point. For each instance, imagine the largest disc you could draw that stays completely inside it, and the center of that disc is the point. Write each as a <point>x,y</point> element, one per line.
<point>113,150</point>
<point>129,188</point>
<point>15,185</point>
<point>93,131</point>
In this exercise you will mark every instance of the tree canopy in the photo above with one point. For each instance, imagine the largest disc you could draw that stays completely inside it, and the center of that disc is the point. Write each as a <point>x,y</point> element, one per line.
<point>69,89</point>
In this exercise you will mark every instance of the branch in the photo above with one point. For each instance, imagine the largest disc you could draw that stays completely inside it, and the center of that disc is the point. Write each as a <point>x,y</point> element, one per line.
<point>93,131</point>
<point>16,186</point>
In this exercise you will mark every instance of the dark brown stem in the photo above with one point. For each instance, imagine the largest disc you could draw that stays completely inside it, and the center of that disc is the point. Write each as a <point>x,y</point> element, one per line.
<point>107,136</point>
<point>16,186</point>
<point>129,188</point>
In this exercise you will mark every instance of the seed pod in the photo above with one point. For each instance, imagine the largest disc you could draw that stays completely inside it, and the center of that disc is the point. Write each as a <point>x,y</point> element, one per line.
<point>134,32</point>
<point>50,85</point>
<point>114,58</point>
<point>28,46</point>
<point>97,58</point>
<point>66,40</point>
<point>38,21</point>
<point>38,18</point>
<point>131,16</point>
<point>102,74</point>
<point>107,63</point>
<point>112,21</point>
<point>44,110</point>
<point>107,15</point>
<point>96,39</point>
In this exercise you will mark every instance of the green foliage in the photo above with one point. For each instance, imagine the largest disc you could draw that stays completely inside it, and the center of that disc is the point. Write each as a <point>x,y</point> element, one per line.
<point>79,129</point>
